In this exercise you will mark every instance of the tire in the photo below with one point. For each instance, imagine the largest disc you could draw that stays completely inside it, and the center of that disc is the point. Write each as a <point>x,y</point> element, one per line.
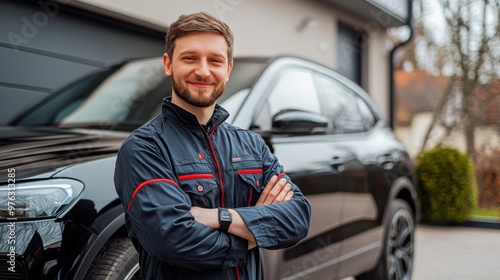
<point>117,260</point>
<point>396,262</point>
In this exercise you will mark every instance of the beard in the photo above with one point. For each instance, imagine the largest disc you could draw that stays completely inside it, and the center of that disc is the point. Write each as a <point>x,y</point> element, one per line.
<point>197,98</point>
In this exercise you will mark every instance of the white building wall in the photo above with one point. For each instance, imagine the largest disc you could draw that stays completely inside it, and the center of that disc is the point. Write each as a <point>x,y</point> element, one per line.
<point>378,72</point>
<point>260,27</point>
<point>263,28</point>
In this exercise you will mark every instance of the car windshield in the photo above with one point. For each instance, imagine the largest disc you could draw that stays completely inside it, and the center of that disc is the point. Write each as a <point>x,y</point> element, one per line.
<point>127,96</point>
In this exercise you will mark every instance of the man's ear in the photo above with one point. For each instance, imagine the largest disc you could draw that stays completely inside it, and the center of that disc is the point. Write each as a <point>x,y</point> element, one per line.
<point>167,64</point>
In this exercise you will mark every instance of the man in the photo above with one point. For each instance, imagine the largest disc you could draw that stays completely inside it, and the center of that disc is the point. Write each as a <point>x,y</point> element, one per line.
<point>200,195</point>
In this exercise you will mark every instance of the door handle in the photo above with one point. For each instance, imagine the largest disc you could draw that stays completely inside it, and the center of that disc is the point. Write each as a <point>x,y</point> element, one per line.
<point>338,164</point>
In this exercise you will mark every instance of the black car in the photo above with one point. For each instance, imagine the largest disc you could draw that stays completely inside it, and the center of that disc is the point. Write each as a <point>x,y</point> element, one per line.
<point>60,217</point>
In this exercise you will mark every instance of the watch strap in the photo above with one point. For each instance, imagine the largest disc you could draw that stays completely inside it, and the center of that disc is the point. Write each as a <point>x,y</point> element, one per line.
<point>225,219</point>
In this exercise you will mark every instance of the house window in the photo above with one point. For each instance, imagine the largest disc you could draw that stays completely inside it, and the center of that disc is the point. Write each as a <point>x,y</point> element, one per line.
<point>349,52</point>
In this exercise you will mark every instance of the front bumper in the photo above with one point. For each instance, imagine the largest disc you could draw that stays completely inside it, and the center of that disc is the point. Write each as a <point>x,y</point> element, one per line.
<point>37,250</point>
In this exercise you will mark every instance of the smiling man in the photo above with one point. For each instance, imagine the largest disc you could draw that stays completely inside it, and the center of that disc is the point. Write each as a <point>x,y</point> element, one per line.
<point>202,67</point>
<point>201,196</point>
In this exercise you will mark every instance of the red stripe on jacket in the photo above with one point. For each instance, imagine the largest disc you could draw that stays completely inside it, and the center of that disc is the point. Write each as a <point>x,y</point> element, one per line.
<point>250,171</point>
<point>195,176</point>
<point>143,184</point>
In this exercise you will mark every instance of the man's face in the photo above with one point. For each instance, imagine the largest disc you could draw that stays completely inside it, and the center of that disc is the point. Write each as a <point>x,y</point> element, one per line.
<point>199,68</point>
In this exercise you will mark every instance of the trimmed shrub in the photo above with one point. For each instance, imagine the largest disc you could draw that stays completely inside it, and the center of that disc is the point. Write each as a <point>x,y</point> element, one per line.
<point>446,185</point>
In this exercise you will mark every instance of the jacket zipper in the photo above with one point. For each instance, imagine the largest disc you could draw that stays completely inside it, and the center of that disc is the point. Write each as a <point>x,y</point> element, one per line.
<point>217,164</point>
<point>219,171</point>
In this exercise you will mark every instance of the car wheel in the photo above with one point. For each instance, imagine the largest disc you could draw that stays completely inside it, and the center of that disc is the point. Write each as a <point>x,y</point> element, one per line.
<point>396,262</point>
<point>117,260</point>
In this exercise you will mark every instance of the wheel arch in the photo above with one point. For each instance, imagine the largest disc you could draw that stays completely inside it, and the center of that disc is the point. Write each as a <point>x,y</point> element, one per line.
<point>403,189</point>
<point>109,224</point>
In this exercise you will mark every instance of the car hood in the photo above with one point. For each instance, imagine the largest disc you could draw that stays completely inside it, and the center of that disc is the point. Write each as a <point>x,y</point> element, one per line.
<point>32,151</point>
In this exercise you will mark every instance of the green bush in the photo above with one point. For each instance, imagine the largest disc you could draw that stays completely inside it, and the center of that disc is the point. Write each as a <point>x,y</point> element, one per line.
<point>446,186</point>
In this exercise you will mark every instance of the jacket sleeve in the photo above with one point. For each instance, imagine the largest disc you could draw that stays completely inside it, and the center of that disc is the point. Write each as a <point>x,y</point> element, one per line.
<point>278,225</point>
<point>157,213</point>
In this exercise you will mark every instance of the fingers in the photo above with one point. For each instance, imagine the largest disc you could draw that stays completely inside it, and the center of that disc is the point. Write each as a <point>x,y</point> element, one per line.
<point>288,196</point>
<point>283,193</point>
<point>275,192</point>
<point>266,190</point>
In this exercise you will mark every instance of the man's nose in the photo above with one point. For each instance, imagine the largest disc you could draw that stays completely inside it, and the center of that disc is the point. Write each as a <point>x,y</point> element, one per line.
<point>203,69</point>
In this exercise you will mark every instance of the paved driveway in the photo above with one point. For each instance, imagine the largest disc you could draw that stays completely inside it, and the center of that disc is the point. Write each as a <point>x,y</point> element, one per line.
<point>456,253</point>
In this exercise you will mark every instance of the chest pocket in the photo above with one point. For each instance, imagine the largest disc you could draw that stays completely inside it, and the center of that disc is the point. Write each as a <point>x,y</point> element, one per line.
<point>201,188</point>
<point>249,182</point>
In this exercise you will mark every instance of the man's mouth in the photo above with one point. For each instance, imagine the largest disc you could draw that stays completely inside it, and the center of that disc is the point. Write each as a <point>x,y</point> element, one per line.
<point>201,84</point>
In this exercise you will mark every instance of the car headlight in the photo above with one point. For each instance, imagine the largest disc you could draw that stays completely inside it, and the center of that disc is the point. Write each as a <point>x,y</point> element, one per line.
<point>38,199</point>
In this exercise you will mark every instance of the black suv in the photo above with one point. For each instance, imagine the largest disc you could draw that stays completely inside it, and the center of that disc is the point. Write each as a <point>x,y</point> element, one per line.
<point>60,217</point>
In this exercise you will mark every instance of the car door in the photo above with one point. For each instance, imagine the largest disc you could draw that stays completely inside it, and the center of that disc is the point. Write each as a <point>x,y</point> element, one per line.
<point>359,216</point>
<point>292,120</point>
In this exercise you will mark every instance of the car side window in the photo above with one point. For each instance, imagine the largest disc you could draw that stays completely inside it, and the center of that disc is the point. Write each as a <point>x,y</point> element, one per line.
<point>341,106</point>
<point>293,106</point>
<point>294,90</point>
<point>369,119</point>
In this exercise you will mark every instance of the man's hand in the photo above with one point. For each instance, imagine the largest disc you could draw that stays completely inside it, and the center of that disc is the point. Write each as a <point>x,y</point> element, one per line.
<point>275,192</point>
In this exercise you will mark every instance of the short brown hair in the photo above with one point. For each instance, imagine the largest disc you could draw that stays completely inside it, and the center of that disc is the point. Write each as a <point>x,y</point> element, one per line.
<point>197,22</point>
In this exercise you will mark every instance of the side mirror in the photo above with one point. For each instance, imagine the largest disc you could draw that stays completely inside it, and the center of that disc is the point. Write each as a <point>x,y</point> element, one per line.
<point>296,123</point>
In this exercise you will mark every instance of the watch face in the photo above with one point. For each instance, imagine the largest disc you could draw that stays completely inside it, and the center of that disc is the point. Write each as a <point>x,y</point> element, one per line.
<point>225,216</point>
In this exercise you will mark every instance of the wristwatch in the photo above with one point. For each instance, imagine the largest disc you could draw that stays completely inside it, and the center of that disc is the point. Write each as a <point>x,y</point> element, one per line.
<point>225,219</point>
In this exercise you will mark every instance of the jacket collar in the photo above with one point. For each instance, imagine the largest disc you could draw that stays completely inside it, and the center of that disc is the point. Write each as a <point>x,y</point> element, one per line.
<point>176,113</point>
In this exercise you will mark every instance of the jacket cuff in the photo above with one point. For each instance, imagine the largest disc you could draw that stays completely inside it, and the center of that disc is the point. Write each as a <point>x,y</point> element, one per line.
<point>237,253</point>
<point>262,225</point>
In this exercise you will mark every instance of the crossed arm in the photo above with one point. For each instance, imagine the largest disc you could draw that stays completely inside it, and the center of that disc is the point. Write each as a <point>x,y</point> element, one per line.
<point>276,191</point>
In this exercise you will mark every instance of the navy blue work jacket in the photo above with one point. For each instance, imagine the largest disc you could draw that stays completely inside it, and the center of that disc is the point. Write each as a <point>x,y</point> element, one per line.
<point>172,163</point>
